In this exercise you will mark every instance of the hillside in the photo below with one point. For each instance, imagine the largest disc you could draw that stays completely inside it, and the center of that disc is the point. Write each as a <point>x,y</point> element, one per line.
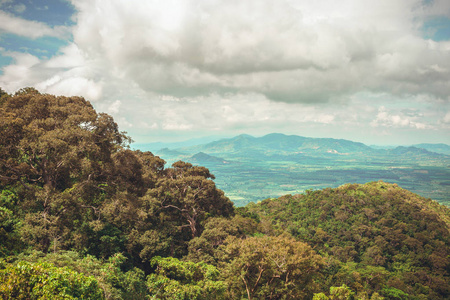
<point>438,148</point>
<point>375,230</point>
<point>203,158</point>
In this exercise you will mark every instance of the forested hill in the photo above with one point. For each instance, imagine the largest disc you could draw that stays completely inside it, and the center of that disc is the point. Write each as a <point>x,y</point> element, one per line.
<point>84,217</point>
<point>386,237</point>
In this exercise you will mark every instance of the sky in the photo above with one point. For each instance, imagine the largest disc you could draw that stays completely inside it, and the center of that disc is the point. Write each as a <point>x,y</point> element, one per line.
<point>376,72</point>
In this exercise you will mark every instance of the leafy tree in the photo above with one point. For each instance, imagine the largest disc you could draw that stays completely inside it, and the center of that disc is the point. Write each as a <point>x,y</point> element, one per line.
<point>264,267</point>
<point>9,224</point>
<point>62,153</point>
<point>189,194</point>
<point>336,293</point>
<point>175,279</point>
<point>215,233</point>
<point>3,96</point>
<point>115,278</point>
<point>24,280</point>
<point>51,140</point>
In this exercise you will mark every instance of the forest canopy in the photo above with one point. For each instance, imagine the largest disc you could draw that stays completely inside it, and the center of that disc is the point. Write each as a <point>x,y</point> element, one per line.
<point>84,216</point>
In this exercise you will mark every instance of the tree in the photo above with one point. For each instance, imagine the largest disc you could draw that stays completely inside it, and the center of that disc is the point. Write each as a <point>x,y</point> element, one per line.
<point>24,280</point>
<point>188,194</point>
<point>3,95</point>
<point>53,140</point>
<point>113,275</point>
<point>215,233</point>
<point>178,280</point>
<point>61,152</point>
<point>264,267</point>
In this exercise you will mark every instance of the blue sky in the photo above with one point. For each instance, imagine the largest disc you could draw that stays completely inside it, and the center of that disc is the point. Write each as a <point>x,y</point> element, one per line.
<point>376,72</point>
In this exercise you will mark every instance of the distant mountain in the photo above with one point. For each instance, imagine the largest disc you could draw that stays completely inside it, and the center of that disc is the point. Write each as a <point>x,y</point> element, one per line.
<point>280,143</point>
<point>203,158</point>
<point>438,148</point>
<point>168,152</point>
<point>401,150</point>
<point>154,147</point>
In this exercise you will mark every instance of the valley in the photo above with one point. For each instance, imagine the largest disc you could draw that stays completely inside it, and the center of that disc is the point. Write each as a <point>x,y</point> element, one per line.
<point>250,169</point>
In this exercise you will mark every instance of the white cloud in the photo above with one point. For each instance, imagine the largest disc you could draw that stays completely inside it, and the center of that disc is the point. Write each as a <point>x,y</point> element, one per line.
<point>20,74</point>
<point>70,86</point>
<point>71,57</point>
<point>289,51</point>
<point>385,118</point>
<point>30,29</point>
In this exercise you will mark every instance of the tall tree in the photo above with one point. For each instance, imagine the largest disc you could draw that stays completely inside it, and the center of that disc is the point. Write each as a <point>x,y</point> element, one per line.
<point>270,268</point>
<point>54,141</point>
<point>190,195</point>
<point>60,150</point>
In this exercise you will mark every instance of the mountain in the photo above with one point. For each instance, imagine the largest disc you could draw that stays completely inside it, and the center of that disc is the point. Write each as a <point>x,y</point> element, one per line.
<point>438,148</point>
<point>164,152</point>
<point>401,150</point>
<point>203,158</point>
<point>280,143</point>
<point>154,147</point>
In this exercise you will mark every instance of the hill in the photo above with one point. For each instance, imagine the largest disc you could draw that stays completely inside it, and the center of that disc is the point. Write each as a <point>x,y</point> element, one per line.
<point>438,148</point>
<point>203,158</point>
<point>388,238</point>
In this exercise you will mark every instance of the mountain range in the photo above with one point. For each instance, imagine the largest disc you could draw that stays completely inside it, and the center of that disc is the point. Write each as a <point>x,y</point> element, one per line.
<point>282,143</point>
<point>250,168</point>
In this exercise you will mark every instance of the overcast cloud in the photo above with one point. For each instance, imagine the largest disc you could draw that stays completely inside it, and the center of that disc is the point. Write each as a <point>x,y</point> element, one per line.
<point>361,70</point>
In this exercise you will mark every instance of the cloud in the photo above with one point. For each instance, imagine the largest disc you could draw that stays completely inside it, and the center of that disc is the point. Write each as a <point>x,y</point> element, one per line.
<point>288,51</point>
<point>292,51</point>
<point>386,119</point>
<point>30,29</point>
<point>67,74</point>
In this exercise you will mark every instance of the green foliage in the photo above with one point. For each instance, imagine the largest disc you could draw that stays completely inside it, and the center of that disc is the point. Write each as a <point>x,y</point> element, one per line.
<point>380,233</point>
<point>215,233</point>
<point>113,280</point>
<point>24,280</point>
<point>264,267</point>
<point>175,279</point>
<point>393,293</point>
<point>9,223</point>
<point>336,293</point>
<point>76,184</point>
